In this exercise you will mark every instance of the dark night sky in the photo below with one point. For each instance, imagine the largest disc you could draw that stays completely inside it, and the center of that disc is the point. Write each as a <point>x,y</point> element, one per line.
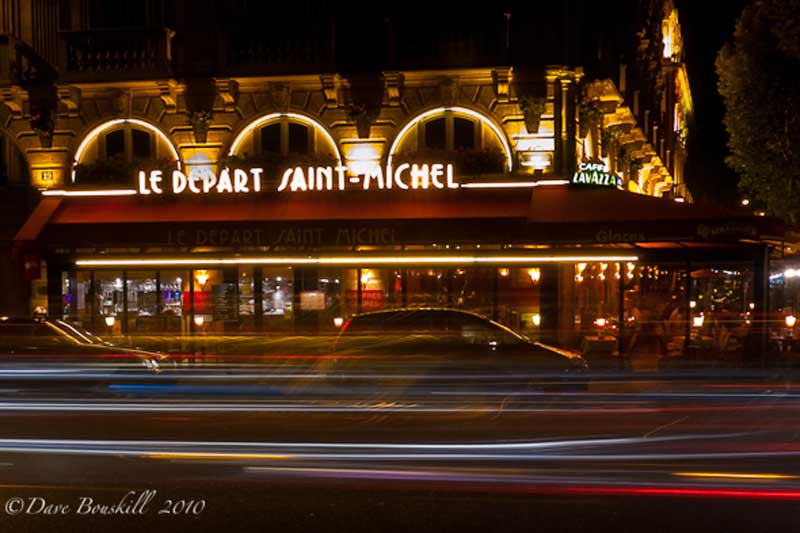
<point>706,27</point>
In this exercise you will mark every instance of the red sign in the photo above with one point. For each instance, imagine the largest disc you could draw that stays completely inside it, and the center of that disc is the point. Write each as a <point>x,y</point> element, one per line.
<point>370,300</point>
<point>202,301</point>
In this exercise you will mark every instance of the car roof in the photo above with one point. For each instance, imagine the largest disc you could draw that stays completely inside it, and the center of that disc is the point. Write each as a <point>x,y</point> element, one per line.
<point>398,310</point>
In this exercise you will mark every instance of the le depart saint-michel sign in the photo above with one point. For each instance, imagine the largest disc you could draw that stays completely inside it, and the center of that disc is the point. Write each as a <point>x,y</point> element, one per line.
<point>406,176</point>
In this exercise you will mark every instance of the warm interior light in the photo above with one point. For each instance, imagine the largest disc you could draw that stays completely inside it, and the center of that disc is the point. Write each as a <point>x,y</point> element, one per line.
<point>199,320</point>
<point>366,276</point>
<point>790,320</point>
<point>202,277</point>
<point>752,305</point>
<point>357,260</point>
<point>110,321</point>
<point>503,272</point>
<point>338,321</point>
<point>535,274</point>
<point>697,321</point>
<point>600,322</point>
<point>692,304</point>
<point>536,319</point>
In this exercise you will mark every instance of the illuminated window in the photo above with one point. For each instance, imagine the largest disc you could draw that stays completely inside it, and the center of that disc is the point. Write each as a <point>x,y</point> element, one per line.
<point>286,137</point>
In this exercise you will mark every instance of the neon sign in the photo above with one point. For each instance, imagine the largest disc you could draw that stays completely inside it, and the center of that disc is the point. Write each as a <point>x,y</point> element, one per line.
<point>595,174</point>
<point>229,181</point>
<point>407,176</point>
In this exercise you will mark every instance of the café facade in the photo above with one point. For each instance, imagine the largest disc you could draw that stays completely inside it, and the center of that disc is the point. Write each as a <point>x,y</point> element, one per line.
<point>289,210</point>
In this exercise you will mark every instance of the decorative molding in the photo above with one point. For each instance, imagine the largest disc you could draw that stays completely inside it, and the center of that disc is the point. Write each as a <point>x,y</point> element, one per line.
<point>330,88</point>
<point>69,99</point>
<point>280,95</point>
<point>448,91</point>
<point>14,99</point>
<point>501,78</point>
<point>394,83</point>
<point>169,95</point>
<point>228,91</point>
<point>121,100</point>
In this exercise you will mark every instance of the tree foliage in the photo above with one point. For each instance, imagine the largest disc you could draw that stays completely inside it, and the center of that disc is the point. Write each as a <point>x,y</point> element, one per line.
<point>759,80</point>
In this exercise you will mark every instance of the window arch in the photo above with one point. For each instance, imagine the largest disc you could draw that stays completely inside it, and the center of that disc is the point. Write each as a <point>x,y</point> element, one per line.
<point>123,142</point>
<point>451,129</point>
<point>285,134</point>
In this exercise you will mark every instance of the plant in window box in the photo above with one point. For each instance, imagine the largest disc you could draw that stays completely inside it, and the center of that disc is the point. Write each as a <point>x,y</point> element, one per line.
<point>42,124</point>
<point>532,108</point>
<point>363,117</point>
<point>467,161</point>
<point>118,171</point>
<point>589,116</point>
<point>199,121</point>
<point>112,171</point>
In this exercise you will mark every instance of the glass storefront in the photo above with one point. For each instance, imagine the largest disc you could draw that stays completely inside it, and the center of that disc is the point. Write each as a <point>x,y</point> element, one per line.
<point>667,305</point>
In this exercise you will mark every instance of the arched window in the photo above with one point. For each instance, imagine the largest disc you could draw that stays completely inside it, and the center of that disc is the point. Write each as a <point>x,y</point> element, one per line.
<point>469,140</point>
<point>279,141</point>
<point>450,132</point>
<point>114,151</point>
<point>127,143</point>
<point>286,137</point>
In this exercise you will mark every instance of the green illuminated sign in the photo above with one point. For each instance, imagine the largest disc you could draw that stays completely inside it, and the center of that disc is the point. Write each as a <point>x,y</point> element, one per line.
<point>595,174</point>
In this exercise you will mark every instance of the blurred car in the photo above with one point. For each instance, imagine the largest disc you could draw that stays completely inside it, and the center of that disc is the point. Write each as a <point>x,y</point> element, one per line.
<point>39,342</point>
<point>452,340</point>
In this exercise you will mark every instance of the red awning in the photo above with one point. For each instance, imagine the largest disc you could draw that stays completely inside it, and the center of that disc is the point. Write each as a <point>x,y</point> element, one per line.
<point>540,205</point>
<point>367,205</point>
<point>36,222</point>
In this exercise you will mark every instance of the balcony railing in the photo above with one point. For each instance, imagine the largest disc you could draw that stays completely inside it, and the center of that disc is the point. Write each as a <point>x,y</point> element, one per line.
<point>116,54</point>
<point>299,51</point>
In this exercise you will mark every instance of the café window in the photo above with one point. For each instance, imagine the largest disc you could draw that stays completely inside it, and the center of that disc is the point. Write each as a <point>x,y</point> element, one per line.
<point>450,132</point>
<point>286,137</point>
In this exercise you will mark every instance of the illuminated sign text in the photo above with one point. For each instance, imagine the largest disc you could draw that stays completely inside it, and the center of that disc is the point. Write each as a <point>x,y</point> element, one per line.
<point>407,176</point>
<point>595,174</point>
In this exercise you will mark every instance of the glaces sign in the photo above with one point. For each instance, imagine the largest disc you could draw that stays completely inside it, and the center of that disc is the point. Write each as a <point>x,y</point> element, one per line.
<point>595,174</point>
<point>406,176</point>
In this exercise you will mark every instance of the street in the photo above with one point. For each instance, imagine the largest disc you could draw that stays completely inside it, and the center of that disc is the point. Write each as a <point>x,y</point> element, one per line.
<point>634,451</point>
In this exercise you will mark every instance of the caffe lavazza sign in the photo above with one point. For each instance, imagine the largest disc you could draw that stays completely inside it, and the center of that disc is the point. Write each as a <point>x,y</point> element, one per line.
<point>596,174</point>
<point>406,176</point>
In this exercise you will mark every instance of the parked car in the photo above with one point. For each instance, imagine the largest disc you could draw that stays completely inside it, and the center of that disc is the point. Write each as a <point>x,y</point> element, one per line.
<point>446,341</point>
<point>35,342</point>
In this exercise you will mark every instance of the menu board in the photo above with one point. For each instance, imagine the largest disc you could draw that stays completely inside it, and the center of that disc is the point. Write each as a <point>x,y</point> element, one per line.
<point>225,297</point>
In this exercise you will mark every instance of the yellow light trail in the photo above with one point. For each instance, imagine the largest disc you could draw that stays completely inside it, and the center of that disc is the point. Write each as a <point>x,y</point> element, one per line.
<point>200,455</point>
<point>734,475</point>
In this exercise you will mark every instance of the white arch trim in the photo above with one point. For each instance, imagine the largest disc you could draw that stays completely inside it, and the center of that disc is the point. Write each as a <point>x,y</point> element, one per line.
<point>92,135</point>
<point>295,116</point>
<point>464,111</point>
